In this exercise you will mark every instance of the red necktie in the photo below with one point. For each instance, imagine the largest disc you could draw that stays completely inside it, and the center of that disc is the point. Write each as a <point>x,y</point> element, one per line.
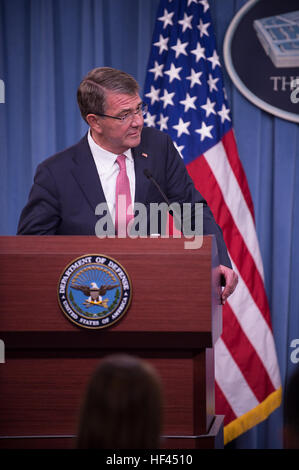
<point>123,203</point>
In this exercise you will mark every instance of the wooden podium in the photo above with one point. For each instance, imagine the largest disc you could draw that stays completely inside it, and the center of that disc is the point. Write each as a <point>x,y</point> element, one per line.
<point>173,322</point>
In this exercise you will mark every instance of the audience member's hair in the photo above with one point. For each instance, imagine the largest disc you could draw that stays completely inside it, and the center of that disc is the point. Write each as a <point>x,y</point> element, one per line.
<point>122,408</point>
<point>291,412</point>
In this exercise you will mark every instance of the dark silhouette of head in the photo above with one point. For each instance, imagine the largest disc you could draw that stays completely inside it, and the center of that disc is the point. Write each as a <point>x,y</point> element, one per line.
<point>122,407</point>
<point>291,412</point>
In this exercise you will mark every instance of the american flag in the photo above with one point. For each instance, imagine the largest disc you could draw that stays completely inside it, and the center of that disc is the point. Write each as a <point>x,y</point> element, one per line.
<point>186,98</point>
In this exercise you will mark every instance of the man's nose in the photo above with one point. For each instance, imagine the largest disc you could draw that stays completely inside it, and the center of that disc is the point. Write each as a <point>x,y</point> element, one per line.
<point>137,120</point>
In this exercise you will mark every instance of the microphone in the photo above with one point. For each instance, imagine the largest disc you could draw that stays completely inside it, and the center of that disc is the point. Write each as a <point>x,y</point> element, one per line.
<point>148,174</point>
<point>179,221</point>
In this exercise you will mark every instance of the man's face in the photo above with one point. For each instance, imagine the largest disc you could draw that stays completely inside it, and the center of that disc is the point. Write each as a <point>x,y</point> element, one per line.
<point>113,134</point>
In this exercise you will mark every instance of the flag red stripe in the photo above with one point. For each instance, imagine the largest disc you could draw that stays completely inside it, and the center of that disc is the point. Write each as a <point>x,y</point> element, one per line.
<point>245,355</point>
<point>206,183</point>
<point>230,146</point>
<point>224,407</point>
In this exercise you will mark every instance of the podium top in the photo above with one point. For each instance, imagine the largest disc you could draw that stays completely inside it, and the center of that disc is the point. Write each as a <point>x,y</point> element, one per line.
<point>70,244</point>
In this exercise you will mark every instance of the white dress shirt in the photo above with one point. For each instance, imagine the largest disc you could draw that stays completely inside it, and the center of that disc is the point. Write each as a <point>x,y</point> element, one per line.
<point>108,170</point>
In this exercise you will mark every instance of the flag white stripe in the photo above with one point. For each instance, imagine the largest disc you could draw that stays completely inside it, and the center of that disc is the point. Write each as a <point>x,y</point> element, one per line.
<point>232,380</point>
<point>233,197</point>
<point>255,328</point>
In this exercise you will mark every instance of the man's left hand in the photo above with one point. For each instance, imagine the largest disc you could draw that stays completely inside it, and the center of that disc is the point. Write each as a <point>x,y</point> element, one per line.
<point>231,281</point>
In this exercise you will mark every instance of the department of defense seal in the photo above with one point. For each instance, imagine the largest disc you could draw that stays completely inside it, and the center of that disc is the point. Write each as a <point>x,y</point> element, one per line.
<point>94,291</point>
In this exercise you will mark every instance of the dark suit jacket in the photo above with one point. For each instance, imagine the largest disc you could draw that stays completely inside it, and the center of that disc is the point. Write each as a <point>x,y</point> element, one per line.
<point>67,189</point>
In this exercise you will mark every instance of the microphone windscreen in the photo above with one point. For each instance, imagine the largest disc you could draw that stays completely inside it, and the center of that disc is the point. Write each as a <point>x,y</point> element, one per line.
<point>147,173</point>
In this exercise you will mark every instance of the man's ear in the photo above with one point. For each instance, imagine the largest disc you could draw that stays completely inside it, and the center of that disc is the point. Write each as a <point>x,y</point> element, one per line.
<point>93,122</point>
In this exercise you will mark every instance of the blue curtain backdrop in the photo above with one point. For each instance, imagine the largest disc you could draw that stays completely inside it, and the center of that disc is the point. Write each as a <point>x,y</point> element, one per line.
<point>47,46</point>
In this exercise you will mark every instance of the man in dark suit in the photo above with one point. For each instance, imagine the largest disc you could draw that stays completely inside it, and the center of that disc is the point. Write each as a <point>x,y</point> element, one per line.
<point>69,186</point>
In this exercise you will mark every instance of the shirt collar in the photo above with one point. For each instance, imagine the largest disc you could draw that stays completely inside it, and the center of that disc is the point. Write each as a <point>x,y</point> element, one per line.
<point>103,158</point>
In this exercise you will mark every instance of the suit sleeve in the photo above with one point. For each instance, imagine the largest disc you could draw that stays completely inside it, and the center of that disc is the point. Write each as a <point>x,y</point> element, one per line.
<point>41,215</point>
<point>180,188</point>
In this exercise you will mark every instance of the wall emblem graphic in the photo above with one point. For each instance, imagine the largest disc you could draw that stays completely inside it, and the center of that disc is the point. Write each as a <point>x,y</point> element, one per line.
<point>261,54</point>
<point>94,291</point>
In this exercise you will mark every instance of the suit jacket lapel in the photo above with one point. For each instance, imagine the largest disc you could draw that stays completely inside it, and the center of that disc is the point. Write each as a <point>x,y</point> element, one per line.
<point>86,175</point>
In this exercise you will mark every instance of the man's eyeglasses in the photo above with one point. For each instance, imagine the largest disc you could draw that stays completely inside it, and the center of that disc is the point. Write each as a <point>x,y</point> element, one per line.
<point>141,110</point>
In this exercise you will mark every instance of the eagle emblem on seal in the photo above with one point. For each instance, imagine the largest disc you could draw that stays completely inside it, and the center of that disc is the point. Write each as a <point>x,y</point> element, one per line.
<point>95,293</point>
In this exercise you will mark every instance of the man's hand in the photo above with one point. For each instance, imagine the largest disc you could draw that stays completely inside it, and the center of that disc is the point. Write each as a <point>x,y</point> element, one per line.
<point>231,281</point>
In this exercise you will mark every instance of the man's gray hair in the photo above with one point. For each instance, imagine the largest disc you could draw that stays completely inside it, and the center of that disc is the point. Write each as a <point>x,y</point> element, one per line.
<point>91,94</point>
